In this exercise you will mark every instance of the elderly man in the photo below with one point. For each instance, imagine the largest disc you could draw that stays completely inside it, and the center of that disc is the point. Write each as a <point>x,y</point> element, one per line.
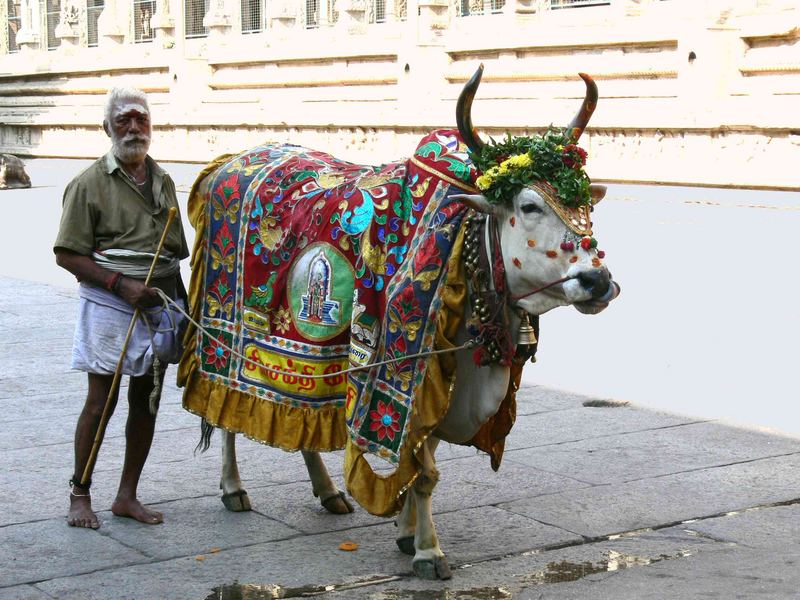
<point>114,214</point>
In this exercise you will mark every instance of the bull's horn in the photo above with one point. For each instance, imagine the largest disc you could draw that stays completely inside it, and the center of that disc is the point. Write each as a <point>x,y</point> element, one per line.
<point>575,129</point>
<point>464,110</point>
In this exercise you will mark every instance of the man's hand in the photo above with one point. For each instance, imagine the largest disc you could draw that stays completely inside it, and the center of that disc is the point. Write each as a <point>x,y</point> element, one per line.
<point>137,294</point>
<point>133,291</point>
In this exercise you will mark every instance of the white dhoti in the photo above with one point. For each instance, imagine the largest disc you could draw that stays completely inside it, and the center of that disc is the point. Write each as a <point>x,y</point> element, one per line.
<point>103,321</point>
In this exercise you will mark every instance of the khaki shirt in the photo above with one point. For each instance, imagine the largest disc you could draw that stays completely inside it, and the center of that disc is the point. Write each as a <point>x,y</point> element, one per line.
<point>103,209</point>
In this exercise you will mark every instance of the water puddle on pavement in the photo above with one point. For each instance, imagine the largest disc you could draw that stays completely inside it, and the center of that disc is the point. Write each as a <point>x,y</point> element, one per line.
<point>556,572</point>
<point>251,591</point>
<point>255,591</point>
<point>246,591</point>
<point>486,593</point>
<point>565,571</point>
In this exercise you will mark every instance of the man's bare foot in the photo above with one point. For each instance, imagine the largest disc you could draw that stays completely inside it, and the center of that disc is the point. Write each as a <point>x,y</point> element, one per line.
<point>81,513</point>
<point>134,509</point>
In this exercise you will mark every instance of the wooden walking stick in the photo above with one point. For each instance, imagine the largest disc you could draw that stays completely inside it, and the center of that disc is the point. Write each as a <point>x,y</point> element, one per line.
<point>101,428</point>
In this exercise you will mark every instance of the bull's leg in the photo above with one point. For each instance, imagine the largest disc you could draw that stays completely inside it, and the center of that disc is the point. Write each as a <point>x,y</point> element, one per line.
<point>429,561</point>
<point>332,499</point>
<point>406,525</point>
<point>234,497</point>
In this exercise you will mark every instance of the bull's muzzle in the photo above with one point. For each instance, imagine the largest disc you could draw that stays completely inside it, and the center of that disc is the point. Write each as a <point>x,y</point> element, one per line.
<point>596,281</point>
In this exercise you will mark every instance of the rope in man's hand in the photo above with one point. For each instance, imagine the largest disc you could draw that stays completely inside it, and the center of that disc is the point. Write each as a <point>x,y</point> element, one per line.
<point>167,301</point>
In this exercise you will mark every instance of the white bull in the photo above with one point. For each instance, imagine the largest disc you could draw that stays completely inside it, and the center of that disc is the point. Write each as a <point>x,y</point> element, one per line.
<point>540,275</point>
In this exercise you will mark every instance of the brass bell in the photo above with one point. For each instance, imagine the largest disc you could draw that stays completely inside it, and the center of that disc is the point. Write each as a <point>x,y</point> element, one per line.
<point>526,336</point>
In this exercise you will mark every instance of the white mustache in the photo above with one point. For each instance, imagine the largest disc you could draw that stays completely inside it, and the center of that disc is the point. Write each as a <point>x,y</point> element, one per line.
<point>131,146</point>
<point>130,139</point>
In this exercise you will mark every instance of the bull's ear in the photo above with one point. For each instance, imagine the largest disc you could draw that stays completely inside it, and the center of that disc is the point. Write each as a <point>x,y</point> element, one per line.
<point>477,202</point>
<point>597,192</point>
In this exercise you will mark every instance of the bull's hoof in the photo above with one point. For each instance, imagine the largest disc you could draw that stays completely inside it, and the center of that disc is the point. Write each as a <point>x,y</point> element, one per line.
<point>436,568</point>
<point>406,545</point>
<point>236,501</point>
<point>338,504</point>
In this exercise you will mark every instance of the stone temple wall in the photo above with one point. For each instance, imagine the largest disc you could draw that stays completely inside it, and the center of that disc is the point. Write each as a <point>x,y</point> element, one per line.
<point>691,92</point>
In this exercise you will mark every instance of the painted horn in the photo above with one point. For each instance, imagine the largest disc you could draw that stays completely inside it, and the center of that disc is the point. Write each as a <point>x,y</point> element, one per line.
<point>575,129</point>
<point>464,110</point>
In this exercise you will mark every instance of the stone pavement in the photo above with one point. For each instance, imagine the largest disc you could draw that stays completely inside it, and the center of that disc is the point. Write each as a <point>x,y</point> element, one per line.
<point>590,502</point>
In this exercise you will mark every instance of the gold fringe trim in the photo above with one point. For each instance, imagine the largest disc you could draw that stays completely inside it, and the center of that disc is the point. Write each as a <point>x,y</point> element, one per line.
<point>280,425</point>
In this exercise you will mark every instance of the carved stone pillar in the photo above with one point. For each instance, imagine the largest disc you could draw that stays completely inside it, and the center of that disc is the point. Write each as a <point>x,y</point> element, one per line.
<point>164,25</point>
<point>390,9</point>
<point>636,8</point>
<point>526,8</point>
<point>283,18</point>
<point>434,18</point>
<point>109,29</point>
<point>67,28</point>
<point>352,15</point>
<point>219,21</point>
<point>28,34</point>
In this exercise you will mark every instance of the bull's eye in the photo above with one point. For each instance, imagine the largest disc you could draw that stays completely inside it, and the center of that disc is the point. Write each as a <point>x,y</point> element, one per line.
<point>530,208</point>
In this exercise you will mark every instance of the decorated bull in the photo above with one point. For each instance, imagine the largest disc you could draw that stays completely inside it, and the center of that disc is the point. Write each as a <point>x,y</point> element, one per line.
<point>383,309</point>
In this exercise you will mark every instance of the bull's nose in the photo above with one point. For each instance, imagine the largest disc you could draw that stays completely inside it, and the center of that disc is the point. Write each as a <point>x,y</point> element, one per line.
<point>596,282</point>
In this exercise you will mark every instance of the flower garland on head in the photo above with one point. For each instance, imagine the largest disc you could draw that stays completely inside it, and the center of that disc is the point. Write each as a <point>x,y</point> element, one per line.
<point>516,162</point>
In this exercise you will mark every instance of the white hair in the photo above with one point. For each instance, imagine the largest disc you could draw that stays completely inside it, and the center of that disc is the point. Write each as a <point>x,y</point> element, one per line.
<point>117,94</point>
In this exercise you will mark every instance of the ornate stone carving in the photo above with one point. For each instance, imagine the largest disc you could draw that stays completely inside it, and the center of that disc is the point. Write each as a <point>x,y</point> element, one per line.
<point>164,24</point>
<point>28,34</point>
<point>67,28</point>
<point>217,19</point>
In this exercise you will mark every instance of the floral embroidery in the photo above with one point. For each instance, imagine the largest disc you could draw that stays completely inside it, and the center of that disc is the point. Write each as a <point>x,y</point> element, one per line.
<point>282,320</point>
<point>385,421</point>
<point>215,354</point>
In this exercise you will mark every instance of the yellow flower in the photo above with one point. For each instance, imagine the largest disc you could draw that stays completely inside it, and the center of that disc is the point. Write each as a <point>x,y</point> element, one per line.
<point>519,161</point>
<point>484,182</point>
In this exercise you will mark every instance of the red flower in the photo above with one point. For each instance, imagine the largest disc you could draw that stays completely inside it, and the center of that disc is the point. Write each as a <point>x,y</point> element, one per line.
<point>216,354</point>
<point>385,421</point>
<point>573,156</point>
<point>427,253</point>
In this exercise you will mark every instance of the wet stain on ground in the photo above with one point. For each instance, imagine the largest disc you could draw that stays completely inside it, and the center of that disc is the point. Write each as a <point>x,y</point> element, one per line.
<point>249,591</point>
<point>556,572</point>
<point>606,403</point>
<point>565,571</point>
<point>252,591</point>
<point>255,591</point>
<point>485,593</point>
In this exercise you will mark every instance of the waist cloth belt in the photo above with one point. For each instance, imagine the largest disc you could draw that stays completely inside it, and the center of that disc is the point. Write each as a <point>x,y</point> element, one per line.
<point>102,325</point>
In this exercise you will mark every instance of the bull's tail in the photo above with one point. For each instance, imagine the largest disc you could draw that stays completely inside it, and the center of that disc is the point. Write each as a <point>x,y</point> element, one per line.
<point>206,431</point>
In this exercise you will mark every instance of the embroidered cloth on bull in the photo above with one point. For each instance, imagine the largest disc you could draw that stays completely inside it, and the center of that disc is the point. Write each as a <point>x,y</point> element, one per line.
<point>314,265</point>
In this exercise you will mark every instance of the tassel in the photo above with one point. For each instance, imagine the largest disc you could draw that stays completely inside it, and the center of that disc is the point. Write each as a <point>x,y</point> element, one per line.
<point>155,394</point>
